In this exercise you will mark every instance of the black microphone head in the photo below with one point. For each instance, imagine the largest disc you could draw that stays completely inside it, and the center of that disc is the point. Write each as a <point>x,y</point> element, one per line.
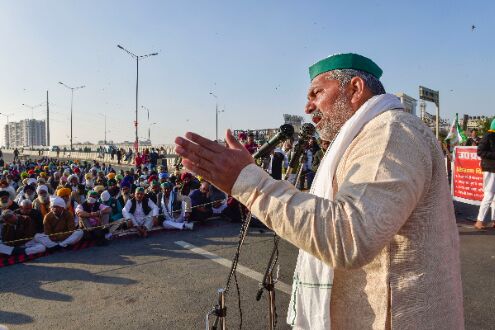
<point>308,129</point>
<point>287,130</point>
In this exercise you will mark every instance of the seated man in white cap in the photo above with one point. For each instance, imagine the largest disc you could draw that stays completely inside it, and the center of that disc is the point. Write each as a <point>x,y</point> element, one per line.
<point>59,227</point>
<point>94,216</point>
<point>141,211</point>
<point>42,202</point>
<point>176,208</point>
<point>17,234</point>
<point>73,181</point>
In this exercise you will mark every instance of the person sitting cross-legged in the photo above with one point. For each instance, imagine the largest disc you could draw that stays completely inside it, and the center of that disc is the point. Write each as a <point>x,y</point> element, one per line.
<point>59,227</point>
<point>26,210</point>
<point>17,234</point>
<point>115,204</point>
<point>42,202</point>
<point>200,200</point>
<point>140,212</point>
<point>154,192</point>
<point>175,207</point>
<point>93,217</point>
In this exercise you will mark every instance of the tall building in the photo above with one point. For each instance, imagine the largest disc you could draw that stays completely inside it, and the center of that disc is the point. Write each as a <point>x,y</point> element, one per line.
<point>25,133</point>
<point>473,122</point>
<point>408,102</point>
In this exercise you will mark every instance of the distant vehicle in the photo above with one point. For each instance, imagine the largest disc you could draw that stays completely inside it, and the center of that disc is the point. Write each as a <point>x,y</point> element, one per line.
<point>55,148</point>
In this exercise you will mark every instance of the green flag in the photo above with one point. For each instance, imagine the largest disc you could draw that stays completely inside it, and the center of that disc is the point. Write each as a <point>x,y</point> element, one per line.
<point>456,134</point>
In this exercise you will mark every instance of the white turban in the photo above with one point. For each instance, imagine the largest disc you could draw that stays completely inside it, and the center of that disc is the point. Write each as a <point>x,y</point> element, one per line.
<point>57,201</point>
<point>31,181</point>
<point>41,188</point>
<point>105,196</point>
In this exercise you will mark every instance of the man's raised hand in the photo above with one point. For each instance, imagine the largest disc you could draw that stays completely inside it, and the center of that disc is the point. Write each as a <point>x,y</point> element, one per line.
<point>216,163</point>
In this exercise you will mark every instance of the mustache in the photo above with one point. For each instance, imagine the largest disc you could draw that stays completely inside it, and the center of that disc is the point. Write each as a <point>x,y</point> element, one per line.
<point>317,113</point>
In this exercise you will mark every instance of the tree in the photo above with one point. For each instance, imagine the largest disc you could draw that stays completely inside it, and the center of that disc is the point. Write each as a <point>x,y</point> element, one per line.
<point>485,125</point>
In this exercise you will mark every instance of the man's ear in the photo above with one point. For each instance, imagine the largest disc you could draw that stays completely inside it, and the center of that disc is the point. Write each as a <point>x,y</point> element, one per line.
<point>358,91</point>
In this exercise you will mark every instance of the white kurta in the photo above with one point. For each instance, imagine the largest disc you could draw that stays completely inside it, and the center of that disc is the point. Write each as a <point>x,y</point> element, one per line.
<point>389,234</point>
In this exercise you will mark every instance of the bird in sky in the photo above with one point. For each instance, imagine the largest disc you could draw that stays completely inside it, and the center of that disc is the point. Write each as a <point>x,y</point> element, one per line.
<point>473,27</point>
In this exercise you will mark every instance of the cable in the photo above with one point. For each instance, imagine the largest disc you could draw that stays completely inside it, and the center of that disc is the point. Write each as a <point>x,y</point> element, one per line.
<point>238,299</point>
<point>233,270</point>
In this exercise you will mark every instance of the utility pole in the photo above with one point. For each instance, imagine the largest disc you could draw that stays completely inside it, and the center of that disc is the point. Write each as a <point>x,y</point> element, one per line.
<point>105,123</point>
<point>47,121</point>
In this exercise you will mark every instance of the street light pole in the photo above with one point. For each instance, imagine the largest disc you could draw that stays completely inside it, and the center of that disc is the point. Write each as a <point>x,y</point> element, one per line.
<point>71,105</point>
<point>149,131</point>
<point>105,121</point>
<point>136,142</point>
<point>137,57</point>
<point>149,125</point>
<point>216,115</point>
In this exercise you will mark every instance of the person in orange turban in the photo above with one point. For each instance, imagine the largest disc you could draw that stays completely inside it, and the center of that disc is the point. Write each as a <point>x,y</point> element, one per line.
<point>65,194</point>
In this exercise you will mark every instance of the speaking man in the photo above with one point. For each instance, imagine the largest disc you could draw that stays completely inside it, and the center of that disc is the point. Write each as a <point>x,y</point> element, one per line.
<point>379,247</point>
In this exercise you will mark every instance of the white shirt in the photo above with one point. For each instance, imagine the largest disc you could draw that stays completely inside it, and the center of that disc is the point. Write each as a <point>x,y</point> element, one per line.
<point>139,215</point>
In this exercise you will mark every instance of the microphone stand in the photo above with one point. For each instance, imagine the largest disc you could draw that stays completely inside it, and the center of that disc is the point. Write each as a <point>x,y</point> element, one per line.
<point>300,170</point>
<point>268,282</point>
<point>220,311</point>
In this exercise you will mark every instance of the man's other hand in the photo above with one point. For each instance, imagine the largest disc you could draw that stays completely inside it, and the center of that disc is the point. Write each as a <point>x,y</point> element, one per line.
<point>216,163</point>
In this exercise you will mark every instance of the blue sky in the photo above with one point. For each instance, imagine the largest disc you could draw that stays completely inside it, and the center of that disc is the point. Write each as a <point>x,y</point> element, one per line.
<point>252,54</point>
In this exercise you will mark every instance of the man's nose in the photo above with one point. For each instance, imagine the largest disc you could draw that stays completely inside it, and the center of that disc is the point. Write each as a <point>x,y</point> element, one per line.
<point>309,108</point>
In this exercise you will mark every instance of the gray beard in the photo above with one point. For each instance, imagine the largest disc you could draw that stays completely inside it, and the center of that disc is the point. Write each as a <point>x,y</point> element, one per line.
<point>330,124</point>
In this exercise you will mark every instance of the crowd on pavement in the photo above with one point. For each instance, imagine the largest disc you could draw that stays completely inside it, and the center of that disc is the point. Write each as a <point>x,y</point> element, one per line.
<point>48,204</point>
<point>149,156</point>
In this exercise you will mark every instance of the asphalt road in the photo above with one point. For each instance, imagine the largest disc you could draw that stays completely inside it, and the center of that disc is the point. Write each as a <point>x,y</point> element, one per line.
<point>137,283</point>
<point>155,283</point>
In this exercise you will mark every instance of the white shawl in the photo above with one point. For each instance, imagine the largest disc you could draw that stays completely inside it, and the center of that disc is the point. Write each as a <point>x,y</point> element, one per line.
<point>312,286</point>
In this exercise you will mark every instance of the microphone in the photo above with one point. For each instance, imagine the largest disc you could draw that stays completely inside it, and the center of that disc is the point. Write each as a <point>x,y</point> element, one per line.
<point>285,132</point>
<point>307,131</point>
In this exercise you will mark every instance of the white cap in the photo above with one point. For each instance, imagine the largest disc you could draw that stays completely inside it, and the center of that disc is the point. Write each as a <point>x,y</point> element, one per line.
<point>41,188</point>
<point>31,181</point>
<point>105,196</point>
<point>57,201</point>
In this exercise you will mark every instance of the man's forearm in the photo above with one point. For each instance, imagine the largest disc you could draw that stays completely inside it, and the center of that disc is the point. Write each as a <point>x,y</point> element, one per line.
<point>342,234</point>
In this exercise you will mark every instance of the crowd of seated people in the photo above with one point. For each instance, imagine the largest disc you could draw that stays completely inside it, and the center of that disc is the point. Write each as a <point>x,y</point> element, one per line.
<point>49,204</point>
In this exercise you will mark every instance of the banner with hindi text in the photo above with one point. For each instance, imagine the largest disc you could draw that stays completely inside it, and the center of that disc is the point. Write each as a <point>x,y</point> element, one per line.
<point>467,178</point>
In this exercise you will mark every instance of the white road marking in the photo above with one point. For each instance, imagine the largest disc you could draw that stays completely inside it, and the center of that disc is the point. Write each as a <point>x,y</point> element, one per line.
<point>228,263</point>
